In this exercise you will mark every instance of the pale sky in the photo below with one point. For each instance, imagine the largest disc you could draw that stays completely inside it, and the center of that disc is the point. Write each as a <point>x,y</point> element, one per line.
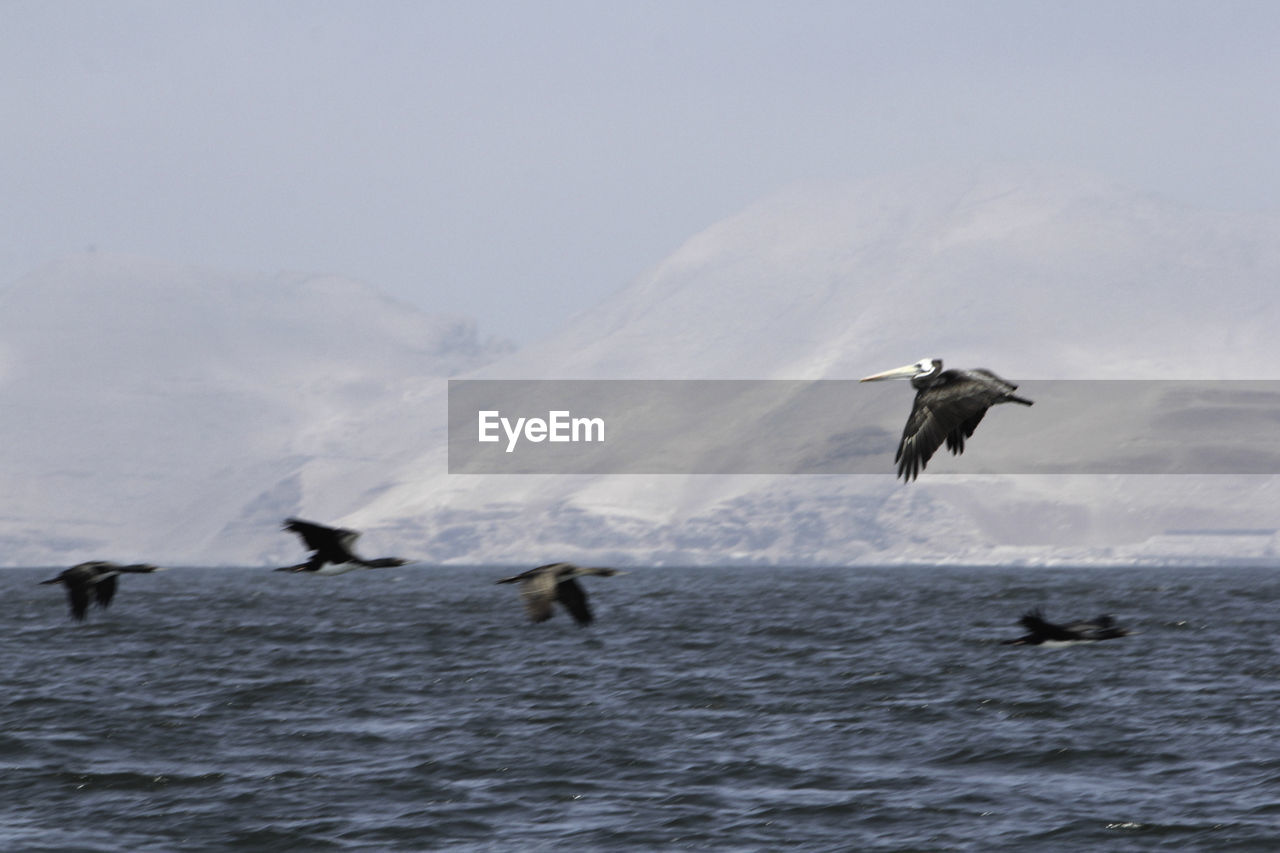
<point>519,161</point>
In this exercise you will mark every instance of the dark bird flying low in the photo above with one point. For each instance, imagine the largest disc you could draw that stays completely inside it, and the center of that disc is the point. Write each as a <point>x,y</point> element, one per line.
<point>948,407</point>
<point>97,577</point>
<point>1041,630</point>
<point>331,552</point>
<point>541,587</point>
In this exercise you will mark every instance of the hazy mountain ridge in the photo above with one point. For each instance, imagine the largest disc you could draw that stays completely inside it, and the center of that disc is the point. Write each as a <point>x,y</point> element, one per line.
<point>150,405</point>
<point>1035,273</point>
<point>178,415</point>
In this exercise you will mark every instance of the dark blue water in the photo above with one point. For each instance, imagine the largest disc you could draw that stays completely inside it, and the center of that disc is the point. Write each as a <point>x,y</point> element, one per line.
<point>708,709</point>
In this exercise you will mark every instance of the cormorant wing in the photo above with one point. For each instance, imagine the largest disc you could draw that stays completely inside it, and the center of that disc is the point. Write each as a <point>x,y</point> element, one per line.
<point>104,589</point>
<point>78,596</point>
<point>332,544</point>
<point>538,591</point>
<point>1046,630</point>
<point>570,593</point>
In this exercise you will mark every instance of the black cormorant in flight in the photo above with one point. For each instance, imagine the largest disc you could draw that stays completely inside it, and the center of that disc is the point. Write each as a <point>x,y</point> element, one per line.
<point>1041,630</point>
<point>98,577</point>
<point>948,407</point>
<point>331,550</point>
<point>553,582</point>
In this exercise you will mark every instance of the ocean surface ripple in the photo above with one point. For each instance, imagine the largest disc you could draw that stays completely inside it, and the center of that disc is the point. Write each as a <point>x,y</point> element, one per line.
<point>707,709</point>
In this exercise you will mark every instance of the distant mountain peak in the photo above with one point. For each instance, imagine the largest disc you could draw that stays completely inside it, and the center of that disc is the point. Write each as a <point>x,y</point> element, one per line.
<point>148,403</point>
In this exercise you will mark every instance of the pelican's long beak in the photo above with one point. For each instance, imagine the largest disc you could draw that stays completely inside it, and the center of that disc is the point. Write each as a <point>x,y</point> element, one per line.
<point>50,580</point>
<point>905,372</point>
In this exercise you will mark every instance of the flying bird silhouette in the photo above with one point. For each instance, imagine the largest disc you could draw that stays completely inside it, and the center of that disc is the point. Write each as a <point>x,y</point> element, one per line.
<point>545,585</point>
<point>98,577</point>
<point>1041,630</point>
<point>331,550</point>
<point>948,407</point>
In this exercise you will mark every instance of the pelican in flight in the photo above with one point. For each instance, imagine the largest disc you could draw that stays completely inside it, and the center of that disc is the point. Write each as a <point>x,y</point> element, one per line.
<point>553,582</point>
<point>98,576</point>
<point>331,552</point>
<point>949,406</point>
<point>1041,630</point>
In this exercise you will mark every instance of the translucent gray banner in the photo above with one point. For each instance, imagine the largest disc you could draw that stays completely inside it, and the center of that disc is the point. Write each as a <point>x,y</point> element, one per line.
<point>847,427</point>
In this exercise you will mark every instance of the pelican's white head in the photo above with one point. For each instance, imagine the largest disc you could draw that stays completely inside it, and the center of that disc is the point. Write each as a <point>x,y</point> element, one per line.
<point>923,367</point>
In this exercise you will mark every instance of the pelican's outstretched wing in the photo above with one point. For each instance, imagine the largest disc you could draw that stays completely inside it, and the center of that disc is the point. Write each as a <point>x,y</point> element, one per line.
<point>949,411</point>
<point>936,418</point>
